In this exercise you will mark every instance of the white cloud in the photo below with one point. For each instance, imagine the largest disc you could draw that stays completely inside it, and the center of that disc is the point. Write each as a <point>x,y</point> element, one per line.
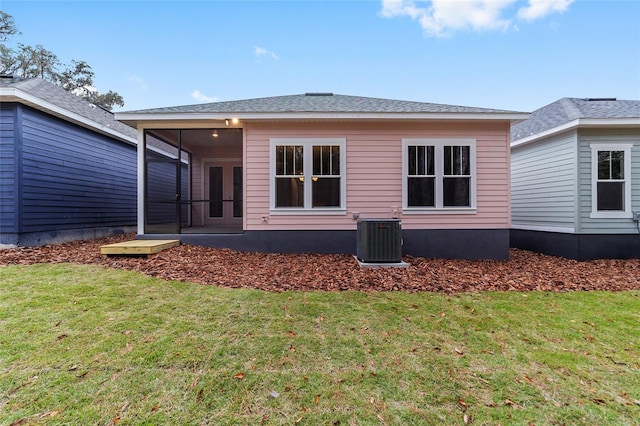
<point>443,17</point>
<point>440,18</point>
<point>261,51</point>
<point>201,97</point>
<point>540,8</point>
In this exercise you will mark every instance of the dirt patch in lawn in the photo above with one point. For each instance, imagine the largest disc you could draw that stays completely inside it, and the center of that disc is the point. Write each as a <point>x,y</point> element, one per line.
<point>524,271</point>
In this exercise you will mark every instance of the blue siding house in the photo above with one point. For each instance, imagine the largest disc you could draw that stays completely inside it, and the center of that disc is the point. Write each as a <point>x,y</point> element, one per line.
<point>575,179</point>
<point>67,167</point>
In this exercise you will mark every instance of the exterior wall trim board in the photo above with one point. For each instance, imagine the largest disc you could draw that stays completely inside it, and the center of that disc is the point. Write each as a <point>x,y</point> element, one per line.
<point>17,146</point>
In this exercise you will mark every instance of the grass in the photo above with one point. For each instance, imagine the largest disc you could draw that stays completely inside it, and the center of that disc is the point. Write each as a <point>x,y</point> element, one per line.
<point>85,345</point>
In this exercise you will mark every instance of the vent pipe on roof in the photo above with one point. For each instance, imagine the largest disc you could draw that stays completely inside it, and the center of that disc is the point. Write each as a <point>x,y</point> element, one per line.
<point>318,94</point>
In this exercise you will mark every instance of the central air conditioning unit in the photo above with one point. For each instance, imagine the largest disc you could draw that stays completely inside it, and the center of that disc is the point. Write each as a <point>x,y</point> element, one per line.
<point>379,241</point>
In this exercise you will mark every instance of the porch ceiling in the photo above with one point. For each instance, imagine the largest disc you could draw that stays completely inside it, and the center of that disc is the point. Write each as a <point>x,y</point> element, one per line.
<point>203,137</point>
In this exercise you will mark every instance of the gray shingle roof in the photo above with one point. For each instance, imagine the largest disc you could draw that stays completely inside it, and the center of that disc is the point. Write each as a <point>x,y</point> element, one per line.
<point>567,110</point>
<point>318,103</point>
<point>59,97</point>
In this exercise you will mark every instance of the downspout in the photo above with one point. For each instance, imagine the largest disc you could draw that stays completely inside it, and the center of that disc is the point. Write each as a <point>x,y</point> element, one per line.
<point>18,172</point>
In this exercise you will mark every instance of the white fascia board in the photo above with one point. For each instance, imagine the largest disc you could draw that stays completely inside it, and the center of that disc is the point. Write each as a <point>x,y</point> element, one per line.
<point>135,117</point>
<point>580,123</point>
<point>610,122</point>
<point>557,229</point>
<point>12,94</point>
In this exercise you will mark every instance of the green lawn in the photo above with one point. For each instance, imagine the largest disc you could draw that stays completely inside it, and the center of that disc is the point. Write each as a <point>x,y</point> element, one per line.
<point>85,345</point>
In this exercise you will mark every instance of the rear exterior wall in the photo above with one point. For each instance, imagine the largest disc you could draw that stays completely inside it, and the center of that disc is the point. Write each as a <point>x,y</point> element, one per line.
<point>374,174</point>
<point>587,224</point>
<point>543,184</point>
<point>552,198</point>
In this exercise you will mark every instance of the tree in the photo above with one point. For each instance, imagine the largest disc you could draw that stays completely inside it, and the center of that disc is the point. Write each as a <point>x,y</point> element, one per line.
<point>109,99</point>
<point>77,78</point>
<point>7,26</point>
<point>7,60</point>
<point>37,62</point>
<point>30,62</point>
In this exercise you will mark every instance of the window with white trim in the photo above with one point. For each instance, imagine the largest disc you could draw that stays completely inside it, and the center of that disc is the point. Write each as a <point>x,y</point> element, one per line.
<point>610,180</point>
<point>438,174</point>
<point>308,174</point>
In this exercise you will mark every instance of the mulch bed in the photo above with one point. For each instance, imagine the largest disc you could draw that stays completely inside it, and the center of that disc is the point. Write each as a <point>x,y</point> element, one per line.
<point>525,271</point>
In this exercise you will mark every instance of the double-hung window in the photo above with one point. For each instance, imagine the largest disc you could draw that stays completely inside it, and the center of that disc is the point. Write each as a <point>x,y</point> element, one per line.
<point>438,175</point>
<point>610,180</point>
<point>308,174</point>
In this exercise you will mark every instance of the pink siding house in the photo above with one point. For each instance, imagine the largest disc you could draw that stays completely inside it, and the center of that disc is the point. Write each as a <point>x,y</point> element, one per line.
<point>296,173</point>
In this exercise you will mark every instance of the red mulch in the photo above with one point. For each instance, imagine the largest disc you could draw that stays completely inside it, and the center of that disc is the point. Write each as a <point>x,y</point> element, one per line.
<point>525,271</point>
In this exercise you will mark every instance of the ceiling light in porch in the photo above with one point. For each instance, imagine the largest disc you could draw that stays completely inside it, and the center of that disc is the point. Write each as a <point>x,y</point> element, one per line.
<point>215,134</point>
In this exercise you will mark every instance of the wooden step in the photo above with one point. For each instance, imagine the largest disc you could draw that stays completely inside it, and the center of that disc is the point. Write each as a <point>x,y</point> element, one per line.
<point>138,247</point>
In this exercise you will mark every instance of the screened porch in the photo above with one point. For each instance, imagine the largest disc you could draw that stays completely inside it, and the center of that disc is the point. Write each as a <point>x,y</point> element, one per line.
<point>193,181</point>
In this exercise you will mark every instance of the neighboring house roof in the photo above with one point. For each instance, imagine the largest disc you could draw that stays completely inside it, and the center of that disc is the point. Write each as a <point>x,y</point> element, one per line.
<point>569,113</point>
<point>53,99</point>
<point>320,106</point>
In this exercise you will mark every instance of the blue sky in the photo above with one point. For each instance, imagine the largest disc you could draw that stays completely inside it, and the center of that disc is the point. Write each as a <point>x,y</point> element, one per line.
<point>507,54</point>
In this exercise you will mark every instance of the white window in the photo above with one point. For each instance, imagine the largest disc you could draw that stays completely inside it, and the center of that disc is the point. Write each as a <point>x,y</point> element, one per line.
<point>308,175</point>
<point>439,175</point>
<point>610,180</point>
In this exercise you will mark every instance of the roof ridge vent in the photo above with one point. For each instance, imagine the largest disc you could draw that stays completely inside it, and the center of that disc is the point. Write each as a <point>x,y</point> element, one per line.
<point>318,94</point>
<point>600,99</point>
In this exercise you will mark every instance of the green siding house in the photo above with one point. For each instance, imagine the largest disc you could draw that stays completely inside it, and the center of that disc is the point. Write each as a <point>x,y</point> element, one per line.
<point>575,179</point>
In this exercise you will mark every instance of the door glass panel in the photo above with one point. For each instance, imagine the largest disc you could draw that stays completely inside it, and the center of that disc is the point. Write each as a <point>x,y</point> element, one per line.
<point>185,197</point>
<point>237,192</point>
<point>216,185</point>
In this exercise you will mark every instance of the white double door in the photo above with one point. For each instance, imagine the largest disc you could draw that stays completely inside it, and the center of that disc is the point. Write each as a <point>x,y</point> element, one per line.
<point>223,190</point>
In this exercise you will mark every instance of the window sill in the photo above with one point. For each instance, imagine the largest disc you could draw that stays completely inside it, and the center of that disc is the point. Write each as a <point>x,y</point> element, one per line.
<point>448,210</point>
<point>611,215</point>
<point>308,212</point>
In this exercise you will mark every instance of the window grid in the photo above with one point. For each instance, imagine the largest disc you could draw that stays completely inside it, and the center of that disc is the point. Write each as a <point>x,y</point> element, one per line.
<point>610,184</point>
<point>421,159</point>
<point>308,174</point>
<point>610,165</point>
<point>289,160</point>
<point>451,179</point>
<point>326,160</point>
<point>456,165</point>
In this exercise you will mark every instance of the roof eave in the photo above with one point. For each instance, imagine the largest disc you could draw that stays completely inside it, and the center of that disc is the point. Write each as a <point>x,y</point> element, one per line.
<point>132,118</point>
<point>13,94</point>
<point>582,123</point>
